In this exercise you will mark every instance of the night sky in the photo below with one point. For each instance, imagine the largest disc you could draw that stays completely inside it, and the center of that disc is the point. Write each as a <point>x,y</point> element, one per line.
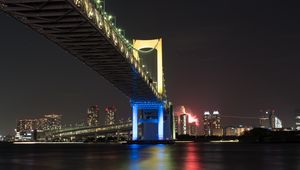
<point>237,57</point>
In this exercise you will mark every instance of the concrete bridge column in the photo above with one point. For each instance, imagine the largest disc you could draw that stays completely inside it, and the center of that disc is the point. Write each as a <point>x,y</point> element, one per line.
<point>151,118</point>
<point>135,122</point>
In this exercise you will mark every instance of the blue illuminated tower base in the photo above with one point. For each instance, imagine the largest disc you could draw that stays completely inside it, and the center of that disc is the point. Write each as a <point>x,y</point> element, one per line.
<point>151,121</point>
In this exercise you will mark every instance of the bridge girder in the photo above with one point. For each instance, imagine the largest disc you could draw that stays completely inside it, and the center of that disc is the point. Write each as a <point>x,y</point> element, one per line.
<point>72,28</point>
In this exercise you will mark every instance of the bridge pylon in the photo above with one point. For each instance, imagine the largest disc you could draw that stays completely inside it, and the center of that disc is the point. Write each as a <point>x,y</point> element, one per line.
<point>151,121</point>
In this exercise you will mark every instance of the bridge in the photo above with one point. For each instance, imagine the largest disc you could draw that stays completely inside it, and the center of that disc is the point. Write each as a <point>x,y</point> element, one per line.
<point>84,29</point>
<point>89,130</point>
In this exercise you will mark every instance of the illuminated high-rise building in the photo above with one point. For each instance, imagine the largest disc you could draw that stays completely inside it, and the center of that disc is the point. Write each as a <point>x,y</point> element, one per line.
<point>297,120</point>
<point>26,125</point>
<point>41,123</point>
<point>31,129</point>
<point>264,122</point>
<point>183,128</point>
<point>53,121</point>
<point>269,120</point>
<point>176,123</point>
<point>48,122</point>
<point>212,124</point>
<point>194,130</point>
<point>93,116</point>
<point>216,120</point>
<point>110,115</point>
<point>186,123</point>
<point>206,123</point>
<point>278,123</point>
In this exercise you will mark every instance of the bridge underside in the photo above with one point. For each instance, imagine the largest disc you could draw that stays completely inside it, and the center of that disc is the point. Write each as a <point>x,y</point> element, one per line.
<point>64,23</point>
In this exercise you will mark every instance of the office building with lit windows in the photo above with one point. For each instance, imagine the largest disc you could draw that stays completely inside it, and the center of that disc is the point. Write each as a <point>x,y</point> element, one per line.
<point>206,123</point>
<point>93,116</point>
<point>297,119</point>
<point>110,113</point>
<point>269,120</point>
<point>212,124</point>
<point>28,129</point>
<point>51,121</point>
<point>176,123</point>
<point>183,128</point>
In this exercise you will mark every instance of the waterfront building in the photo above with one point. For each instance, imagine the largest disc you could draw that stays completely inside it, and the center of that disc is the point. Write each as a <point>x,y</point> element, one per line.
<point>194,129</point>
<point>206,123</point>
<point>217,132</point>
<point>215,120</point>
<point>269,120</point>
<point>278,123</point>
<point>212,124</point>
<point>176,124</point>
<point>297,120</point>
<point>183,124</point>
<point>240,130</point>
<point>51,121</point>
<point>230,131</point>
<point>26,125</point>
<point>110,113</point>
<point>93,116</point>
<point>264,122</point>
<point>236,131</point>
<point>41,123</point>
<point>48,122</point>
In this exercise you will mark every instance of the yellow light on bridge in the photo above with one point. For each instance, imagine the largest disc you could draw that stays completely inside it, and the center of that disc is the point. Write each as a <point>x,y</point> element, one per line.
<point>154,44</point>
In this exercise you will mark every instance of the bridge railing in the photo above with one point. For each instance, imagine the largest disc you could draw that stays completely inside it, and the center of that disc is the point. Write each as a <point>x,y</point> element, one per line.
<point>95,12</point>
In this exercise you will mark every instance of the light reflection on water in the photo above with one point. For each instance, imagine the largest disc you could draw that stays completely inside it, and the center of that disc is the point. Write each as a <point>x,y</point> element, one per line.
<point>188,156</point>
<point>154,157</point>
<point>192,159</point>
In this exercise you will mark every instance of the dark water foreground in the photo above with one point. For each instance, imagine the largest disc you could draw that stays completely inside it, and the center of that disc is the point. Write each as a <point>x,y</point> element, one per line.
<point>188,156</point>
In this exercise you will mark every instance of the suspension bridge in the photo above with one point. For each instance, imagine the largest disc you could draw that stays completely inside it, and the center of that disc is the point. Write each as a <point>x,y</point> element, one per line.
<point>84,29</point>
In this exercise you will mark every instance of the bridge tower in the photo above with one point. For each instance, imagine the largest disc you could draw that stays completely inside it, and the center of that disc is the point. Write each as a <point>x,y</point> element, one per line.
<point>152,120</point>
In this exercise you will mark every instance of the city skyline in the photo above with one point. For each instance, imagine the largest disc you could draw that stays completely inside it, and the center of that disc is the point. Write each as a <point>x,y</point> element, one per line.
<point>238,64</point>
<point>89,84</point>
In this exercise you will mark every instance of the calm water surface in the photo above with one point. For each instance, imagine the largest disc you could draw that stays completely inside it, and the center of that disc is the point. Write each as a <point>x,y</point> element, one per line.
<point>188,156</point>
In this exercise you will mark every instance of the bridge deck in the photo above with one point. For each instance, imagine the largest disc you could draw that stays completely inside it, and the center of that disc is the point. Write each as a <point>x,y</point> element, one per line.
<point>85,131</point>
<point>76,27</point>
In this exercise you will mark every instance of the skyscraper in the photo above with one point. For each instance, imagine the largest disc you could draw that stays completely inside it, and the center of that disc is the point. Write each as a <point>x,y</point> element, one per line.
<point>110,115</point>
<point>216,124</point>
<point>93,116</point>
<point>216,120</point>
<point>176,123</point>
<point>212,124</point>
<point>269,120</point>
<point>264,122</point>
<point>206,123</point>
<point>48,122</point>
<point>26,125</point>
<point>297,119</point>
<point>194,130</point>
<point>183,128</point>
<point>53,121</point>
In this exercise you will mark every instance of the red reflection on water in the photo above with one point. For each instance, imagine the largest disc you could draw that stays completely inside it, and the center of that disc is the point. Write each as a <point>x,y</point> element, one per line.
<point>192,158</point>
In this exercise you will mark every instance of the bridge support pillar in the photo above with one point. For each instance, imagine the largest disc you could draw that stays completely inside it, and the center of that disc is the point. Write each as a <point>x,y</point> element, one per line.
<point>161,122</point>
<point>135,122</point>
<point>150,121</point>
